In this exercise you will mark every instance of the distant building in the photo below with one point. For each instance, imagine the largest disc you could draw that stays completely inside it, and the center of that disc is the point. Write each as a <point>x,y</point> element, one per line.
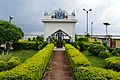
<point>113,42</point>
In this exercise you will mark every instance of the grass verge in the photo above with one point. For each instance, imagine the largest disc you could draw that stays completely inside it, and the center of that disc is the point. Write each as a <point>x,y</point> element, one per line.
<point>94,60</point>
<point>24,54</point>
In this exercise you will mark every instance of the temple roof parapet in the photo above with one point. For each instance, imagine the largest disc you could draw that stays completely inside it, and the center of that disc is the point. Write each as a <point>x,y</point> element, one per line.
<point>59,14</point>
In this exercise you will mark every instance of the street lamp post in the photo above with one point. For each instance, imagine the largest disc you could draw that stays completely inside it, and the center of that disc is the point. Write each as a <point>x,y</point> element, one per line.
<point>8,44</point>
<point>106,24</point>
<point>91,29</point>
<point>87,19</point>
<point>10,18</point>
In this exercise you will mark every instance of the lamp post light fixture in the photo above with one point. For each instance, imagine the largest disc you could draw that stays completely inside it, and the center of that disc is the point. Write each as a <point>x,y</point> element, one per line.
<point>87,19</point>
<point>10,18</point>
<point>106,24</point>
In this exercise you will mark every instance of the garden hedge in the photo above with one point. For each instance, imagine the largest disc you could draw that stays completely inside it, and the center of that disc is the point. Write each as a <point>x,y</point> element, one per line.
<point>75,45</point>
<point>82,69</point>
<point>95,49</point>
<point>32,69</point>
<point>94,73</point>
<point>113,63</point>
<point>83,45</point>
<point>104,54</point>
<point>76,58</point>
<point>25,45</point>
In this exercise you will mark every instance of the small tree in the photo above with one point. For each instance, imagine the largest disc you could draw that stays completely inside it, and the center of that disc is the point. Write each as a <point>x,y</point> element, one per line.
<point>40,38</point>
<point>9,33</point>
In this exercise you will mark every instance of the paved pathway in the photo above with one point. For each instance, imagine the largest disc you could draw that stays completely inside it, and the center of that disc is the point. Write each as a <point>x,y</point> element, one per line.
<point>58,68</point>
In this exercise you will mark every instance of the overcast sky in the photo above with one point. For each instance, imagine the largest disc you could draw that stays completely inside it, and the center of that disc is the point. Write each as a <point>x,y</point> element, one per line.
<point>29,13</point>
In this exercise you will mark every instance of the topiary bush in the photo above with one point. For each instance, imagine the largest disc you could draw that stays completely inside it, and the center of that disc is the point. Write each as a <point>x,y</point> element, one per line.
<point>40,38</point>
<point>32,69</point>
<point>82,69</point>
<point>76,58</point>
<point>113,63</point>
<point>83,45</point>
<point>96,49</point>
<point>94,73</point>
<point>75,45</point>
<point>83,38</point>
<point>26,45</point>
<point>104,54</point>
<point>29,39</point>
<point>42,45</point>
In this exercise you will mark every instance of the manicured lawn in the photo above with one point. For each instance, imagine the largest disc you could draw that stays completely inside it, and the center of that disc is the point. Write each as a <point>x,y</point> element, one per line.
<point>24,54</point>
<point>94,60</point>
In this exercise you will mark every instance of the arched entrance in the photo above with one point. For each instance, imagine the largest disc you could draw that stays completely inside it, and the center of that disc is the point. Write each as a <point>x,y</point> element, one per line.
<point>59,36</point>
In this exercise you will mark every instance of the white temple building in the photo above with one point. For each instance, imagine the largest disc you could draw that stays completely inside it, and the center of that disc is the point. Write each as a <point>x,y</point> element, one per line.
<point>59,20</point>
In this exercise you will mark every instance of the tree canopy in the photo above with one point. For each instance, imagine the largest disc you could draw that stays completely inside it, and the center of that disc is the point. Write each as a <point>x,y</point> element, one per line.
<point>9,32</point>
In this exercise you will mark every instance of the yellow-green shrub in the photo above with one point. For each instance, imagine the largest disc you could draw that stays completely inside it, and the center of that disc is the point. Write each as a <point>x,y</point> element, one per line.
<point>113,63</point>
<point>76,58</point>
<point>82,69</point>
<point>14,61</point>
<point>93,73</point>
<point>7,61</point>
<point>3,65</point>
<point>32,69</point>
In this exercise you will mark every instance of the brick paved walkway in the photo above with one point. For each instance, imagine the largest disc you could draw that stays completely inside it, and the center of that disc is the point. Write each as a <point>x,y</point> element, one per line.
<point>58,68</point>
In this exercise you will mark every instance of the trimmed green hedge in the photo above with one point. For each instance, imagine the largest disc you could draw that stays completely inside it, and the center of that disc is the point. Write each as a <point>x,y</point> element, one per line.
<point>25,45</point>
<point>32,69</point>
<point>83,45</point>
<point>93,73</point>
<point>76,58</point>
<point>75,45</point>
<point>34,45</point>
<point>113,63</point>
<point>104,54</point>
<point>96,49</point>
<point>82,69</point>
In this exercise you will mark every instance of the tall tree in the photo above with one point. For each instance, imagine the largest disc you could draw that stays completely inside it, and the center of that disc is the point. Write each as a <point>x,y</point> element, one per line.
<point>9,33</point>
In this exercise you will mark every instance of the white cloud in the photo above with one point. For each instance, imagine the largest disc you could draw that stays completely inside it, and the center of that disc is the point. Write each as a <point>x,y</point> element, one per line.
<point>28,13</point>
<point>112,15</point>
<point>89,3</point>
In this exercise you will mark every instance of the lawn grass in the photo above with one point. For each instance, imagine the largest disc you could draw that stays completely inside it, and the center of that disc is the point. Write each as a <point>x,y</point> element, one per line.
<point>24,54</point>
<point>94,60</point>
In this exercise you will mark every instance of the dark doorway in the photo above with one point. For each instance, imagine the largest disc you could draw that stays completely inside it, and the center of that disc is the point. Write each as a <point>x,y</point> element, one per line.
<point>59,38</point>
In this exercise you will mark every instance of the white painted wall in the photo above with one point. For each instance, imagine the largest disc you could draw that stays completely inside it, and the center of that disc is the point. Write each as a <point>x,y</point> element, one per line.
<point>50,28</point>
